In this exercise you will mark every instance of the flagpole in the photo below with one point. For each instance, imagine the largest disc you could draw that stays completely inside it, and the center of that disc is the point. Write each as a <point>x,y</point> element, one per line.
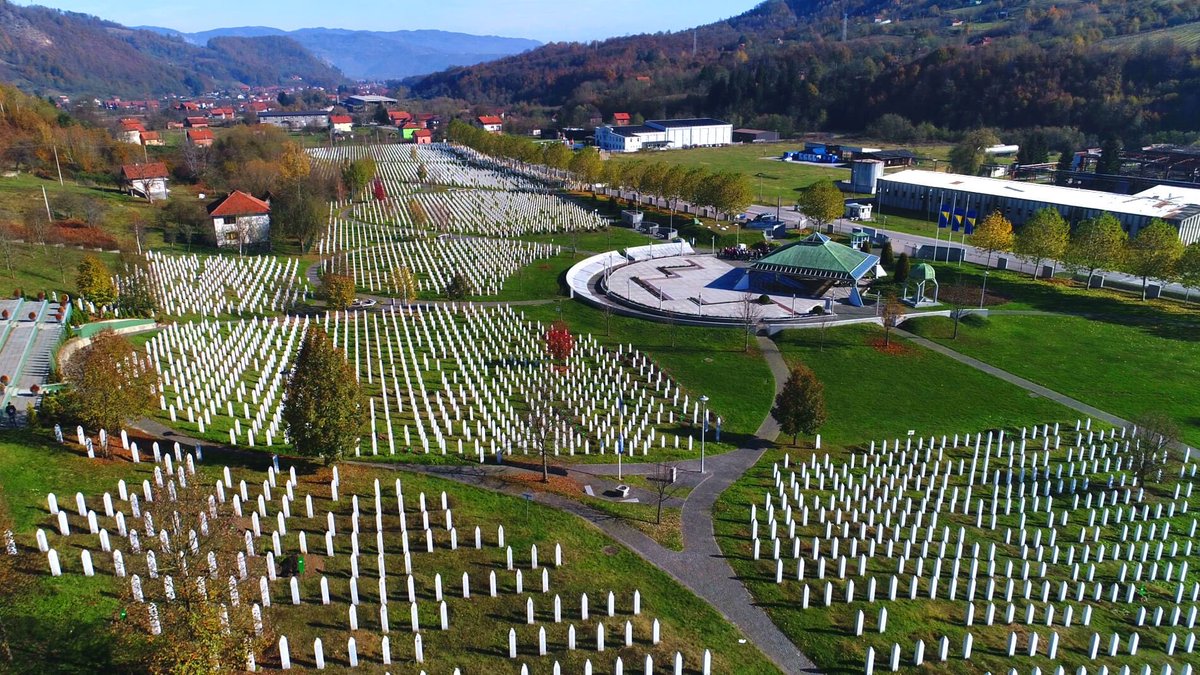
<point>938,232</point>
<point>966,219</point>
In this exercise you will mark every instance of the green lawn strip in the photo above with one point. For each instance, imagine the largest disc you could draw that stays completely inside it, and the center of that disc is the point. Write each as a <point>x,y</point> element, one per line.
<point>1017,291</point>
<point>870,394</point>
<point>641,516</point>
<point>477,642</point>
<point>708,361</point>
<point>1127,370</point>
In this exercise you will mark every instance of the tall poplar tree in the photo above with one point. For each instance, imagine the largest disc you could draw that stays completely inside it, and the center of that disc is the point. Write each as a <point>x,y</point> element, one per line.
<point>324,409</point>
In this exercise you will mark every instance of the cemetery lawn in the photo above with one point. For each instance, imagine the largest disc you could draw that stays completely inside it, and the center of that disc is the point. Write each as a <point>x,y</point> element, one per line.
<point>826,634</point>
<point>782,180</point>
<point>1126,366</point>
<point>870,394</point>
<point>35,608</point>
<point>702,360</point>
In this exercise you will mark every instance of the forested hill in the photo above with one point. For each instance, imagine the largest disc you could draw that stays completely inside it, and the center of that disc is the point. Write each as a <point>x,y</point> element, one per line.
<point>953,64</point>
<point>47,51</point>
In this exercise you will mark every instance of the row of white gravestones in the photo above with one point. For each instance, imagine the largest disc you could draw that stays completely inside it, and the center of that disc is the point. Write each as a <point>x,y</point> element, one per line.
<point>204,285</point>
<point>887,507</point>
<point>205,366</point>
<point>264,594</point>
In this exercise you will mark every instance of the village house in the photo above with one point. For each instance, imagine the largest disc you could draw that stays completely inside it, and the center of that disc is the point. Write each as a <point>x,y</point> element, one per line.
<point>151,138</point>
<point>341,124</point>
<point>399,118</point>
<point>196,122</point>
<point>422,137</point>
<point>148,181</point>
<point>489,123</point>
<point>130,131</point>
<point>240,219</point>
<point>201,138</point>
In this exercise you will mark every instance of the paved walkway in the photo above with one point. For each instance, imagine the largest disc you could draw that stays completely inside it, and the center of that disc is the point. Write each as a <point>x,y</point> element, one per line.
<point>1021,382</point>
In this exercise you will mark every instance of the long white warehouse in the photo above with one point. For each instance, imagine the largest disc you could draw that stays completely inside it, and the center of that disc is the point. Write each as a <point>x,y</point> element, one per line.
<point>664,134</point>
<point>926,191</point>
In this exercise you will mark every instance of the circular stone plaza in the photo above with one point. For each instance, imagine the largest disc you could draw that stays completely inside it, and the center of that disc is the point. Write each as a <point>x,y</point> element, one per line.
<point>807,280</point>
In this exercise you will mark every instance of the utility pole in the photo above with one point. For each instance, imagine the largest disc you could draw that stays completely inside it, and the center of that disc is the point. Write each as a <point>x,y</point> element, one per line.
<point>57,166</point>
<point>46,200</point>
<point>694,41</point>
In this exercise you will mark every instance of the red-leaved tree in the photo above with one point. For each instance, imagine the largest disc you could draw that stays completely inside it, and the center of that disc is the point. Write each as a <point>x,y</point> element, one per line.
<point>380,190</point>
<point>559,341</point>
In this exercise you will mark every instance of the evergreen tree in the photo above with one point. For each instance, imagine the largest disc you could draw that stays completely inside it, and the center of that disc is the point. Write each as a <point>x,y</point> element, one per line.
<point>887,257</point>
<point>324,408</point>
<point>900,274</point>
<point>458,288</point>
<point>1110,157</point>
<point>800,406</point>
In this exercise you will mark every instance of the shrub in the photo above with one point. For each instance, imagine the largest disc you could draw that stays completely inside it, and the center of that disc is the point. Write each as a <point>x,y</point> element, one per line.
<point>817,311</point>
<point>764,299</point>
<point>32,316</point>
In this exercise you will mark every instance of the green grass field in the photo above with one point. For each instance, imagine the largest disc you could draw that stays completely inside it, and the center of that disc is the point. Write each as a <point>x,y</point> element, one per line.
<point>1127,369</point>
<point>778,180</point>
<point>37,610</point>
<point>871,394</point>
<point>1186,36</point>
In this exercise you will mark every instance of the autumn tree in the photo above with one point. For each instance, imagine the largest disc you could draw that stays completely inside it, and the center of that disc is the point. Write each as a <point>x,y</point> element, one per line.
<point>968,156</point>
<point>357,174</point>
<point>110,383</point>
<point>416,211</point>
<point>559,341</point>
<point>993,234</point>
<point>586,165</point>
<point>893,316</point>
<point>822,202</point>
<point>1045,236</point>
<point>800,405</point>
<point>301,215</point>
<point>324,406</point>
<point>1097,243</point>
<point>1188,268</point>
<point>93,281</point>
<point>543,421</point>
<point>1156,435</point>
<point>405,284</point>
<point>338,290</point>
<point>1153,253</point>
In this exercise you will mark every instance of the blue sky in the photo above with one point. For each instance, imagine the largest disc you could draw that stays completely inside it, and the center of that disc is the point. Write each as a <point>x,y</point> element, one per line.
<point>545,20</point>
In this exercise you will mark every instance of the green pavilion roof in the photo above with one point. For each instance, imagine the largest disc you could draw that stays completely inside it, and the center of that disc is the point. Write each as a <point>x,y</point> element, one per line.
<point>817,256</point>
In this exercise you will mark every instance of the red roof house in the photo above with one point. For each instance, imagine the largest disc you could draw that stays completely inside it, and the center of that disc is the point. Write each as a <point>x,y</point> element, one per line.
<point>240,219</point>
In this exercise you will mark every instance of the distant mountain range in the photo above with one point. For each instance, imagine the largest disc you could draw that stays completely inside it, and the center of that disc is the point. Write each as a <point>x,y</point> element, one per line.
<point>378,55</point>
<point>47,51</point>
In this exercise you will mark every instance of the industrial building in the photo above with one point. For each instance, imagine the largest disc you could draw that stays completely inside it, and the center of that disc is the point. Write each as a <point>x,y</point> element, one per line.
<point>755,136</point>
<point>664,134</point>
<point>927,191</point>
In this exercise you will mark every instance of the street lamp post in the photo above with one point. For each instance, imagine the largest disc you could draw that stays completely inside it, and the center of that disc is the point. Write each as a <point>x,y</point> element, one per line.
<point>714,246</point>
<point>983,291</point>
<point>703,428</point>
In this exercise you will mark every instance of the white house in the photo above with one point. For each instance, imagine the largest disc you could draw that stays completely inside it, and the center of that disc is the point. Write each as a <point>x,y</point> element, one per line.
<point>664,134</point>
<point>240,219</point>
<point>489,123</point>
<point>148,181</point>
<point>341,124</point>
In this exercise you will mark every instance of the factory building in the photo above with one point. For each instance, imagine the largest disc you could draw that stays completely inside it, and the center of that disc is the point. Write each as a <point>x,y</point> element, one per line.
<point>664,134</point>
